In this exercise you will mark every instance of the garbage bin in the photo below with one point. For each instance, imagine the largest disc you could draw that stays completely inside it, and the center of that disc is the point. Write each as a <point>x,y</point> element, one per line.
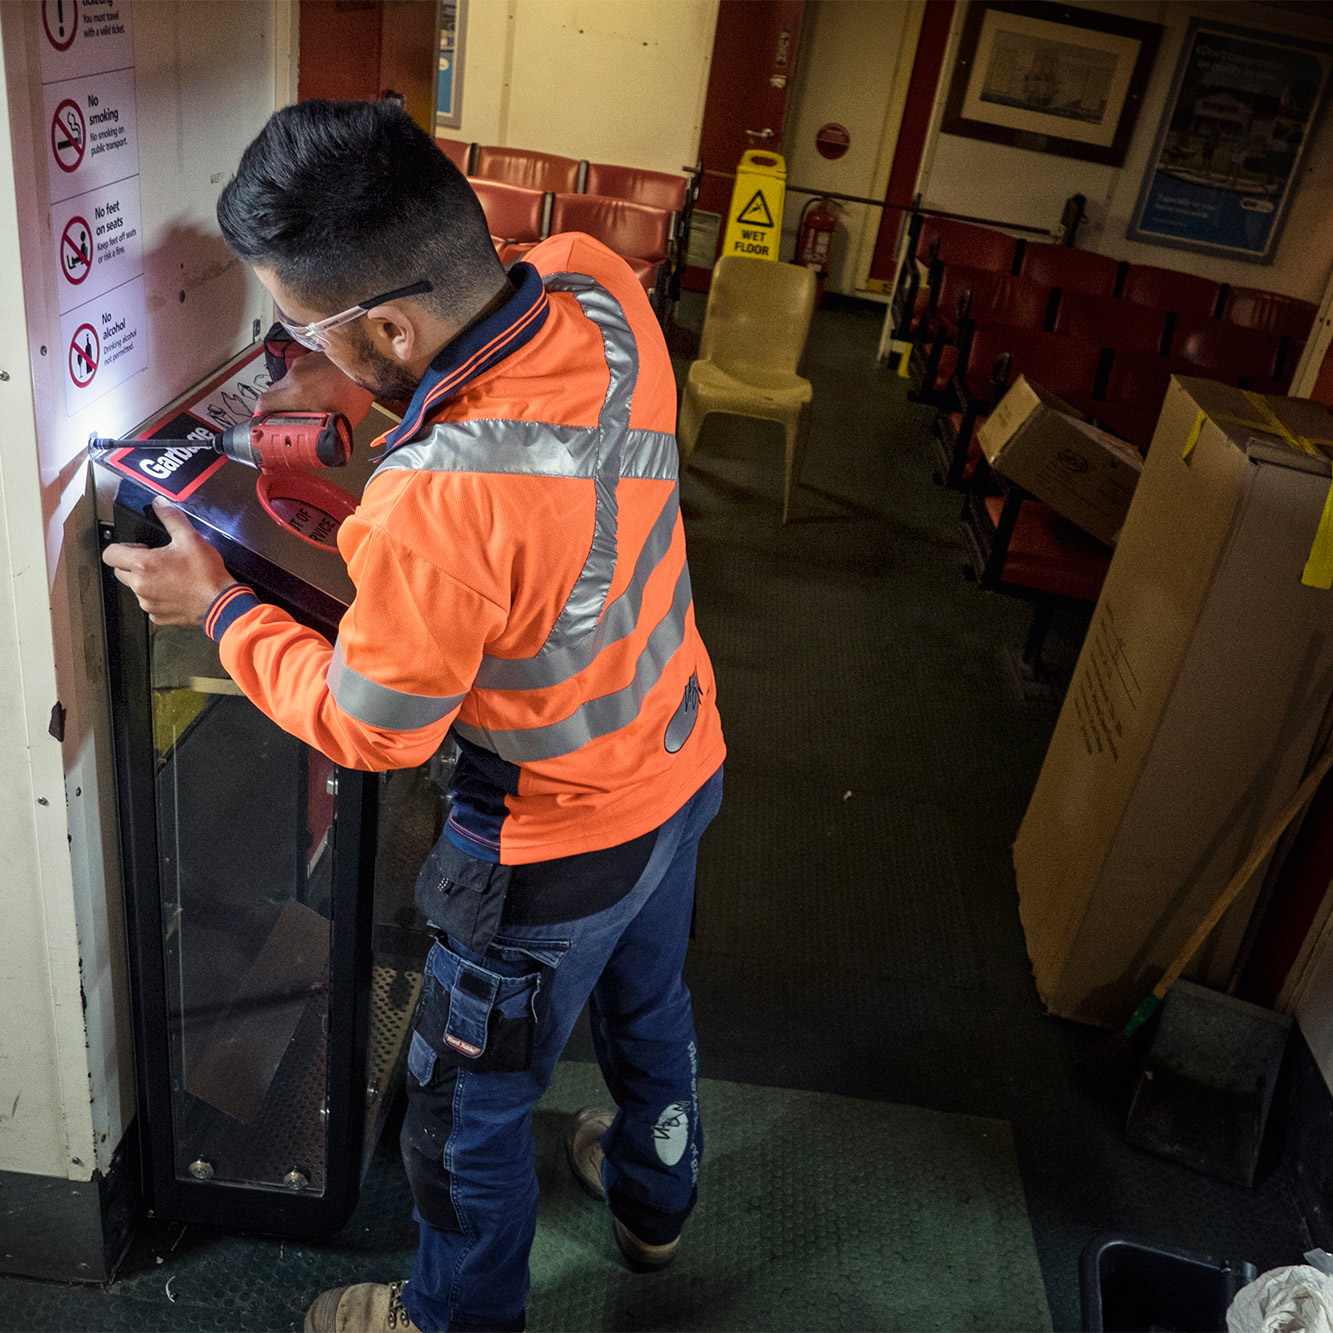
<point>1129,1286</point>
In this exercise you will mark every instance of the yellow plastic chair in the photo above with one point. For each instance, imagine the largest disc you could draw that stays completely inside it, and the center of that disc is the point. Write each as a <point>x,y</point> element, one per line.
<point>755,329</point>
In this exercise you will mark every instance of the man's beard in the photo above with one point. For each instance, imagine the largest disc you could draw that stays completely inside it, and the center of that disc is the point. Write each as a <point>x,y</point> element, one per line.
<point>374,371</point>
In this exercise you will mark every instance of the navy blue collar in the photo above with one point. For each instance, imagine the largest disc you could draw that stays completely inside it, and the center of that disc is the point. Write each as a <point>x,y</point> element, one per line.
<point>475,351</point>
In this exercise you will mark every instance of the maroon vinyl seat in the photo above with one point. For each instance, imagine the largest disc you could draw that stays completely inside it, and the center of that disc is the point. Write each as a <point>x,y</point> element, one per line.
<point>1139,379</point>
<point>534,171</point>
<point>1046,553</point>
<point>636,232</point>
<point>1269,312</point>
<point>657,189</point>
<point>458,151</point>
<point>1069,269</point>
<point>1107,322</point>
<point>1217,350</point>
<point>1166,289</point>
<point>513,213</point>
<point>950,242</point>
<point>966,296</point>
<point>1061,365</point>
<point>933,242</point>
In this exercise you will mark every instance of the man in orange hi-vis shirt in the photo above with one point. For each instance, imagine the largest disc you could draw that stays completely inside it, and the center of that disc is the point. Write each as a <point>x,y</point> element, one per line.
<point>521,583</point>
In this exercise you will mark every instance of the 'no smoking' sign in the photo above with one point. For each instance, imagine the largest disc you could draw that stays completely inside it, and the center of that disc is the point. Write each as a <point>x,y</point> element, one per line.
<point>84,352</point>
<point>69,135</point>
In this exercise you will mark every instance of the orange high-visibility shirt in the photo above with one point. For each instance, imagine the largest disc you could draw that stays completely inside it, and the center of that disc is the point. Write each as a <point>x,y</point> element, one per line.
<point>520,572</point>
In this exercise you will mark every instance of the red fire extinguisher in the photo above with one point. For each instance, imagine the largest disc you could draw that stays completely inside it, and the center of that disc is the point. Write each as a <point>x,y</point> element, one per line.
<point>815,238</point>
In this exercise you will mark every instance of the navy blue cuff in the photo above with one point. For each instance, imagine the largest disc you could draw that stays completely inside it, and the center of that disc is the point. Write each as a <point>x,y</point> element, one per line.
<point>232,602</point>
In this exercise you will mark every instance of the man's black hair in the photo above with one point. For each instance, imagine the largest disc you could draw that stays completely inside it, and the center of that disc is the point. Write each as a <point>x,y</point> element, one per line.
<point>344,200</point>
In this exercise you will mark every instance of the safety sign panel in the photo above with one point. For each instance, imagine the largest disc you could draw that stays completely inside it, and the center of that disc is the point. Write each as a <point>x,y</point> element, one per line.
<point>104,342</point>
<point>176,473</point>
<point>92,139</point>
<point>85,351</point>
<point>85,37</point>
<point>754,220</point>
<point>98,242</point>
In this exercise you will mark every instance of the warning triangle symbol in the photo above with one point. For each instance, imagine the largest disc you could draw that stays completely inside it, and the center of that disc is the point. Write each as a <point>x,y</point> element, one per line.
<point>755,213</point>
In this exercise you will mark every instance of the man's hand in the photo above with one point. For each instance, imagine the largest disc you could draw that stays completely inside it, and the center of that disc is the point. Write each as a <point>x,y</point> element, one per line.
<point>175,584</point>
<point>314,384</point>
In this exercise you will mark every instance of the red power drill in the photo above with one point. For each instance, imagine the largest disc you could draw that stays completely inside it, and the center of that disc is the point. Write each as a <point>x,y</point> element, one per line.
<point>298,441</point>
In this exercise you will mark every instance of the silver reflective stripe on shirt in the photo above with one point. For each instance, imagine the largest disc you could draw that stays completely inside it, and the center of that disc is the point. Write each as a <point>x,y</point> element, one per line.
<point>596,717</point>
<point>602,454</point>
<point>551,666</point>
<point>379,706</point>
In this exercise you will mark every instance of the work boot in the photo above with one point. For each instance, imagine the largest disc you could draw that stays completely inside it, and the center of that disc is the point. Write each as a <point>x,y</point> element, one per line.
<point>367,1307</point>
<point>583,1148</point>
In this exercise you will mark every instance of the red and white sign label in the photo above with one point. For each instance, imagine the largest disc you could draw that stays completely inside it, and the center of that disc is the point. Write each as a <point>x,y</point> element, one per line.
<point>106,342</point>
<point>76,251</point>
<point>85,37</point>
<point>69,136</point>
<point>832,140</point>
<point>85,351</point>
<point>92,135</point>
<point>60,19</point>
<point>104,225</point>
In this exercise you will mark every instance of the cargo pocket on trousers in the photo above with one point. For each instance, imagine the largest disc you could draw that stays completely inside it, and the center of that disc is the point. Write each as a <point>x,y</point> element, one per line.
<point>474,1018</point>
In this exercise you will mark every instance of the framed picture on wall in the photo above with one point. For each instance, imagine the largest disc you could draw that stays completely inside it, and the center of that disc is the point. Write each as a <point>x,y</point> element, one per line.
<point>449,79</point>
<point>1237,125</point>
<point>1051,78</point>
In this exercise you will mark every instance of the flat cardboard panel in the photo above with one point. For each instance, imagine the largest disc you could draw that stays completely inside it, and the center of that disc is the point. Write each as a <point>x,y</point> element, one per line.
<point>1189,721</point>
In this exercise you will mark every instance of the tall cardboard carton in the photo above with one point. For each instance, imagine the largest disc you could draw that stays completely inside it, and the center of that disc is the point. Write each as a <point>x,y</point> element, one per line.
<point>1199,694</point>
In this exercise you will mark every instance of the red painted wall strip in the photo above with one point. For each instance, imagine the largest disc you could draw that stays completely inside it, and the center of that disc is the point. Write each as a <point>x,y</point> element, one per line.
<point>912,136</point>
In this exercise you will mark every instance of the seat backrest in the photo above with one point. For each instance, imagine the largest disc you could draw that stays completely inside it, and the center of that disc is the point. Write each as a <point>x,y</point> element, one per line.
<point>1107,321</point>
<point>512,213</point>
<point>1166,289</point>
<point>1060,365</point>
<point>458,151</point>
<point>1225,351</point>
<point>965,243</point>
<point>1069,269</point>
<point>1002,298</point>
<point>534,171</point>
<point>629,229</point>
<point>987,344</point>
<point>1139,379</point>
<point>1270,312</point>
<point>758,313</point>
<point>658,189</point>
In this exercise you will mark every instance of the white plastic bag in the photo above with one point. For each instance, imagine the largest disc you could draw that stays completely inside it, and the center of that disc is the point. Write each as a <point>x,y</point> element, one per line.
<point>1298,1299</point>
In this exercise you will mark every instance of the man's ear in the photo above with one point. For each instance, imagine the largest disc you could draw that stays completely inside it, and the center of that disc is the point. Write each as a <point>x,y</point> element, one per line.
<point>393,332</point>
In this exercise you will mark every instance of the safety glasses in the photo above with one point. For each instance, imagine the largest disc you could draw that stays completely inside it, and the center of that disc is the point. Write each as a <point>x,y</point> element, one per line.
<point>315,336</point>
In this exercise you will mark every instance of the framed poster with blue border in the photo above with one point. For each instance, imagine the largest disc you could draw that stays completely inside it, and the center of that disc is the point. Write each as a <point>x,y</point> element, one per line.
<point>1239,119</point>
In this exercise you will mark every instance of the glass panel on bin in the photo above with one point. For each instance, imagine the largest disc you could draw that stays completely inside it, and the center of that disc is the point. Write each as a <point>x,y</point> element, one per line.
<point>246,826</point>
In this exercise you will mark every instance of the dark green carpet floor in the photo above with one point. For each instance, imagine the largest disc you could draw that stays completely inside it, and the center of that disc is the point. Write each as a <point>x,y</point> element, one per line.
<point>858,931</point>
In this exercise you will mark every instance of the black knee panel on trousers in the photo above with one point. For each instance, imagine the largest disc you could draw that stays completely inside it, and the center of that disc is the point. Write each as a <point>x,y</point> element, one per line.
<point>426,1129</point>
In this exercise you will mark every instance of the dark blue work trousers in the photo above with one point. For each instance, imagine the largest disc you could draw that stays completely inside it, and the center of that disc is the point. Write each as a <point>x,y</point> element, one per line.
<point>489,1032</point>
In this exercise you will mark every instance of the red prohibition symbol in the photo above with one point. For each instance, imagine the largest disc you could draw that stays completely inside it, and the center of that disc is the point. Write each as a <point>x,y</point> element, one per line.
<point>60,18</point>
<point>76,250</point>
<point>83,357</point>
<point>69,137</point>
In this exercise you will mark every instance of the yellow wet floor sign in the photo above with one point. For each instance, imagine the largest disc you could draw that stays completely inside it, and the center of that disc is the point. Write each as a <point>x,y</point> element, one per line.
<point>754,220</point>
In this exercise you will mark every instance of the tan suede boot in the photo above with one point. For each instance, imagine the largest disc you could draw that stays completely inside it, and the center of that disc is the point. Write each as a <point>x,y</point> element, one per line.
<point>367,1307</point>
<point>583,1148</point>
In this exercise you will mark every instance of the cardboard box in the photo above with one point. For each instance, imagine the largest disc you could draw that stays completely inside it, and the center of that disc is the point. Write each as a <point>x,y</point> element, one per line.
<point>1049,449</point>
<point>1198,698</point>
